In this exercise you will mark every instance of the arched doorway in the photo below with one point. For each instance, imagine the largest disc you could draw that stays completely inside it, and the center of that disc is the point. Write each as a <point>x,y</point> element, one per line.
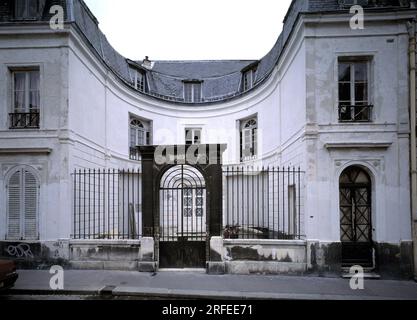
<point>356,217</point>
<point>182,218</point>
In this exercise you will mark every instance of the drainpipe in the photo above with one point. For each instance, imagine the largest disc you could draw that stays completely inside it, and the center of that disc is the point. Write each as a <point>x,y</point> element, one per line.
<point>413,143</point>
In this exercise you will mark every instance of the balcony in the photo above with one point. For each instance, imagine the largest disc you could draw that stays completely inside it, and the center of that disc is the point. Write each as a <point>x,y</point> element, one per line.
<point>24,120</point>
<point>355,113</point>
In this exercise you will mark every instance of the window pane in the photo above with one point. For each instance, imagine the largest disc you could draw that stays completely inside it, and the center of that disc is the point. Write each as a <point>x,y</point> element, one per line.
<point>188,92</point>
<point>140,82</point>
<point>248,140</point>
<point>197,92</point>
<point>344,72</point>
<point>199,212</point>
<point>248,79</point>
<point>141,137</point>
<point>255,142</point>
<point>34,101</point>
<point>20,8</point>
<point>19,89</point>
<point>361,71</point>
<point>344,92</point>
<point>361,92</point>
<point>197,137</point>
<point>188,137</point>
<point>34,80</point>
<point>188,212</point>
<point>34,96</point>
<point>133,138</point>
<point>32,8</point>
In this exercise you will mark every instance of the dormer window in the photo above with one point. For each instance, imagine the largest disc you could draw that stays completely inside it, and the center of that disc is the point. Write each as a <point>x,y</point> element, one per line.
<point>193,91</point>
<point>350,3</point>
<point>27,9</point>
<point>140,81</point>
<point>248,79</point>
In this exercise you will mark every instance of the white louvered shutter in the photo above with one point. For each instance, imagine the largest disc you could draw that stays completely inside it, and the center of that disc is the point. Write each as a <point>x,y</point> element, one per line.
<point>30,200</point>
<point>14,206</point>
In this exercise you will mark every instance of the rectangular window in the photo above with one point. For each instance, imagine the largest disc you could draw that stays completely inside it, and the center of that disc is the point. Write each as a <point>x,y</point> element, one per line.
<point>192,92</point>
<point>354,104</point>
<point>140,81</point>
<point>248,79</point>
<point>192,136</point>
<point>26,9</point>
<point>26,100</point>
<point>193,203</point>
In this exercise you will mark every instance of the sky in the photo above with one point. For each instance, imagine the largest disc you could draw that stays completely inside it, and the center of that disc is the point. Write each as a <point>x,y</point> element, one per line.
<point>191,29</point>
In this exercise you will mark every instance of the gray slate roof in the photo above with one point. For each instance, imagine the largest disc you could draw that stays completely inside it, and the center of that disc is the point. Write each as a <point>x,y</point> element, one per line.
<point>221,79</point>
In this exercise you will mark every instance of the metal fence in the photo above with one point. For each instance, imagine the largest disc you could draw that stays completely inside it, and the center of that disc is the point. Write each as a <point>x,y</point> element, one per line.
<point>107,204</point>
<point>257,204</point>
<point>262,204</point>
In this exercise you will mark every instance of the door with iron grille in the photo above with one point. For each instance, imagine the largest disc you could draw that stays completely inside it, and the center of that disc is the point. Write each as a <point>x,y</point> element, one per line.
<point>182,218</point>
<point>356,217</point>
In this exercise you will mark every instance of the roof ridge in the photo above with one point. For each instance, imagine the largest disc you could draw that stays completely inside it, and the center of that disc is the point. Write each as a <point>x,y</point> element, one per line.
<point>210,60</point>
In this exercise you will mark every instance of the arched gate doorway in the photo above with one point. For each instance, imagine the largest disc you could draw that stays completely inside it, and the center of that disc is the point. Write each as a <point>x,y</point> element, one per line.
<point>183,218</point>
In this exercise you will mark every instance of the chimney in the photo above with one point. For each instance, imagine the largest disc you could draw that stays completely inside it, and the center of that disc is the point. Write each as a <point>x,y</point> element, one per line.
<point>148,64</point>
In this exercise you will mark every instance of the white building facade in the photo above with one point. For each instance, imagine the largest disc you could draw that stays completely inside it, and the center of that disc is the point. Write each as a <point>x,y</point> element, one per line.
<point>327,99</point>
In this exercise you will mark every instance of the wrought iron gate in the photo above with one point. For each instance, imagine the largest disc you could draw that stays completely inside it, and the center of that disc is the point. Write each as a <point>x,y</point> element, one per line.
<point>183,217</point>
<point>356,218</point>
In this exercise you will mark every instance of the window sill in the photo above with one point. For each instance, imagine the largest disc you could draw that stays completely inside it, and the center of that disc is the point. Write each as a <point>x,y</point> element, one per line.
<point>25,129</point>
<point>252,159</point>
<point>25,151</point>
<point>358,145</point>
<point>355,121</point>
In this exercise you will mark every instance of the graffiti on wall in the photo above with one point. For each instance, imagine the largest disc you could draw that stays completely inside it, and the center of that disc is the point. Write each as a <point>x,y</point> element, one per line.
<point>20,251</point>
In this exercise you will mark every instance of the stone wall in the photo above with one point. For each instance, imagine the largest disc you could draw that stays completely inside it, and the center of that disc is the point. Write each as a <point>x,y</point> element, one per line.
<point>257,257</point>
<point>132,255</point>
<point>311,257</point>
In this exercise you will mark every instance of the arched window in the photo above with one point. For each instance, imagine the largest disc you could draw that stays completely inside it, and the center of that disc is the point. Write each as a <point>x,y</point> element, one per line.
<point>139,133</point>
<point>22,206</point>
<point>249,139</point>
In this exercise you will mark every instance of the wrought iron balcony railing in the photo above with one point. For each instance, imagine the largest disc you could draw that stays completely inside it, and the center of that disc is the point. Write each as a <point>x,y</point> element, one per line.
<point>29,120</point>
<point>355,113</point>
<point>134,154</point>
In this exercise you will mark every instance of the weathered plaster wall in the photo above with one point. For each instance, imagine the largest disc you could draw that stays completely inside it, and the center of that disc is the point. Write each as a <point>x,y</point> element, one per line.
<point>48,52</point>
<point>388,166</point>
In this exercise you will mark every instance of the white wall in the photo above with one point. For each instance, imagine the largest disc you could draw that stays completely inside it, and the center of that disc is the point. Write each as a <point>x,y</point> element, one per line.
<point>86,112</point>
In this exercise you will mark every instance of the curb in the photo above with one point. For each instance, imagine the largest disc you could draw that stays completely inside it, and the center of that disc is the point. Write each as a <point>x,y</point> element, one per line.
<point>192,294</point>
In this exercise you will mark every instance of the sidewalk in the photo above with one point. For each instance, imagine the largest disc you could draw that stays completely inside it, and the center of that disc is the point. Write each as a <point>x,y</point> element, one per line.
<point>194,285</point>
